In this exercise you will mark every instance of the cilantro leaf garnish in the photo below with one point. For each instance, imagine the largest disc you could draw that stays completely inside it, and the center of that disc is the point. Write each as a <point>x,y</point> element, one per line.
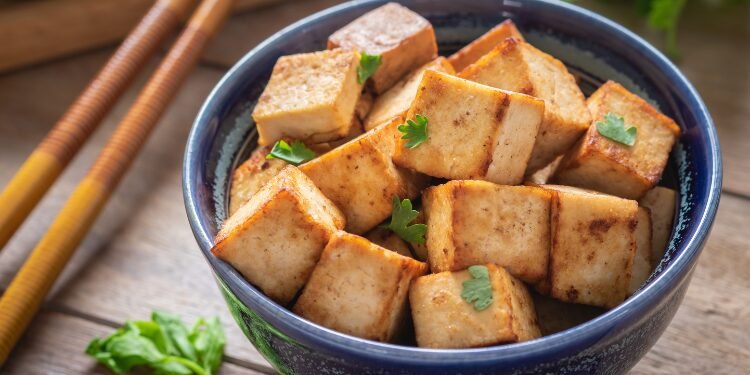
<point>164,344</point>
<point>401,216</point>
<point>415,132</point>
<point>296,153</point>
<point>477,291</point>
<point>368,64</point>
<point>613,127</point>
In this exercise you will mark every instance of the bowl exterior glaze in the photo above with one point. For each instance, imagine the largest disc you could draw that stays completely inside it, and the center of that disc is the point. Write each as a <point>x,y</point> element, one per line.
<point>595,49</point>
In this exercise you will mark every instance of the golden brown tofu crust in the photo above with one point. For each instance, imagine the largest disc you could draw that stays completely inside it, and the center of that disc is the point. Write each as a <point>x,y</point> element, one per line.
<point>479,47</point>
<point>289,210</point>
<point>251,175</point>
<point>477,222</point>
<point>661,203</point>
<point>517,66</point>
<point>593,246</point>
<point>458,109</point>
<point>396,101</point>
<point>388,240</point>
<point>596,162</point>
<point>442,319</point>
<point>360,178</point>
<point>359,288</point>
<point>404,39</point>
<point>310,96</point>
<point>642,259</point>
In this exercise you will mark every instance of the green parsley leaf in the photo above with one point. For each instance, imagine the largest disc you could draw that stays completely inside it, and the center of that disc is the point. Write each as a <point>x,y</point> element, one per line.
<point>478,290</point>
<point>415,132</point>
<point>613,127</point>
<point>401,216</point>
<point>296,153</point>
<point>164,344</point>
<point>368,64</point>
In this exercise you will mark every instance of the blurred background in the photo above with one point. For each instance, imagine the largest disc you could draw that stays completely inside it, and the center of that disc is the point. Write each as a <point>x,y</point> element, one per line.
<point>141,254</point>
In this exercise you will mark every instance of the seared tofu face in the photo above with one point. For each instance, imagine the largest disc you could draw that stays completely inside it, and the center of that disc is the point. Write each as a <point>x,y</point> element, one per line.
<point>310,96</point>
<point>359,288</point>
<point>403,39</point>
<point>251,175</point>
<point>473,132</point>
<point>442,319</point>
<point>360,178</point>
<point>642,259</point>
<point>517,66</point>
<point>385,238</point>
<point>660,202</point>
<point>593,246</point>
<point>477,222</point>
<point>276,238</point>
<point>484,44</point>
<point>602,164</point>
<point>396,101</point>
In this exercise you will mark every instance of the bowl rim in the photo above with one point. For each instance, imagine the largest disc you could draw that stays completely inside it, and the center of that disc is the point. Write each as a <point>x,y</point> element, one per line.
<point>560,344</point>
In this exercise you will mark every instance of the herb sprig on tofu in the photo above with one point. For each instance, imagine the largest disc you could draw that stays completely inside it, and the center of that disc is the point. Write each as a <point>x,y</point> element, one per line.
<point>478,290</point>
<point>401,216</point>
<point>414,131</point>
<point>368,64</point>
<point>296,153</point>
<point>613,127</point>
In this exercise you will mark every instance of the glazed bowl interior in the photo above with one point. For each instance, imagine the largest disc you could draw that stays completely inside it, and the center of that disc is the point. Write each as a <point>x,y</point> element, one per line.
<point>593,48</point>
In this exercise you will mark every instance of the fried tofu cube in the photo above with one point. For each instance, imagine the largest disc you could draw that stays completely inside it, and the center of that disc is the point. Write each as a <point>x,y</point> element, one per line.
<point>359,288</point>
<point>593,246</point>
<point>518,66</point>
<point>404,40</point>
<point>396,101</point>
<point>484,44</point>
<point>642,259</point>
<point>477,222</point>
<point>544,175</point>
<point>310,96</point>
<point>556,316</point>
<point>276,238</point>
<point>419,250</point>
<point>473,132</point>
<point>442,319</point>
<point>661,203</point>
<point>601,164</point>
<point>388,240</point>
<point>361,179</point>
<point>364,105</point>
<point>251,175</point>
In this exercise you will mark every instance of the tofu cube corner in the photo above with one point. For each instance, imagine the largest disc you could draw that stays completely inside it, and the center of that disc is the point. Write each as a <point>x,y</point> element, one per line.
<point>517,66</point>
<point>481,46</point>
<point>404,40</point>
<point>593,246</point>
<point>310,97</point>
<point>661,202</point>
<point>443,319</point>
<point>288,210</point>
<point>359,288</point>
<point>642,258</point>
<point>251,175</point>
<point>361,179</point>
<point>601,164</point>
<point>474,132</point>
<point>478,222</point>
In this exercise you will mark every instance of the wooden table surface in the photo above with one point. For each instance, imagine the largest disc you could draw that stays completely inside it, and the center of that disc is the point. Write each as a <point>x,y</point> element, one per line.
<point>141,254</point>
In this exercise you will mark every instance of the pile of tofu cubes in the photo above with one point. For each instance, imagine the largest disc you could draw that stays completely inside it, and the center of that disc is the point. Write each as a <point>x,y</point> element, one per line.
<point>513,175</point>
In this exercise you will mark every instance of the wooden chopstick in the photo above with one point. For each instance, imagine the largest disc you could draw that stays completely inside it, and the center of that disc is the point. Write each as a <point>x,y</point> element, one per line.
<point>54,153</point>
<point>32,283</point>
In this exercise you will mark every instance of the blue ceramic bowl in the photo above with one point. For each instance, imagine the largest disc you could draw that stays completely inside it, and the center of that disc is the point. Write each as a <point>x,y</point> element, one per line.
<point>596,49</point>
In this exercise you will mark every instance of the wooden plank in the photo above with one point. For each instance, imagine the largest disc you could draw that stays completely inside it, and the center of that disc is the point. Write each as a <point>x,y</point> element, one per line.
<point>141,246</point>
<point>37,31</point>
<point>55,345</point>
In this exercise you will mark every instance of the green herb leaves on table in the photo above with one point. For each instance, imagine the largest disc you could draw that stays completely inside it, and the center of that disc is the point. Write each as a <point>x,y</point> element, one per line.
<point>401,216</point>
<point>296,153</point>
<point>415,132</point>
<point>478,290</point>
<point>163,344</point>
<point>613,127</point>
<point>368,64</point>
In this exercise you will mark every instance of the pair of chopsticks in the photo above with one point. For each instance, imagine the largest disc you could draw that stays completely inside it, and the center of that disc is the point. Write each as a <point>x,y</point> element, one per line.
<point>28,289</point>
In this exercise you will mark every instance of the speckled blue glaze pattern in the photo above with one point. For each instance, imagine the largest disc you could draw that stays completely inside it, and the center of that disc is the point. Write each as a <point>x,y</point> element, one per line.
<point>595,49</point>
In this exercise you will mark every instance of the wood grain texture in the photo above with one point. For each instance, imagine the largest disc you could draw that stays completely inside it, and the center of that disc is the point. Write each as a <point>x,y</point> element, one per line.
<point>44,354</point>
<point>141,254</point>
